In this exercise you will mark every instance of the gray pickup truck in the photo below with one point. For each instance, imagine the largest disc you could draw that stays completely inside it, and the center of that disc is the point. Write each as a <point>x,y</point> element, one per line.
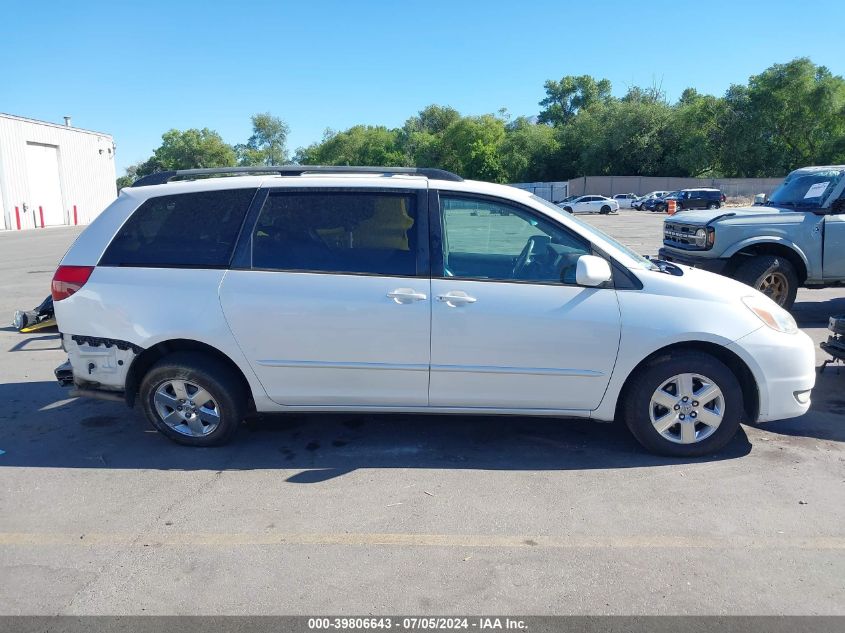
<point>796,238</point>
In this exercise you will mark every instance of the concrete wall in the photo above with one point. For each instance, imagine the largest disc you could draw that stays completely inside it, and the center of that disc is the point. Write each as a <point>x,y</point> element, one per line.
<point>640,185</point>
<point>85,165</point>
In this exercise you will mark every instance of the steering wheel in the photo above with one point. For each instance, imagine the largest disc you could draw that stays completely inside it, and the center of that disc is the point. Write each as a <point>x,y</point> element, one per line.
<point>531,247</point>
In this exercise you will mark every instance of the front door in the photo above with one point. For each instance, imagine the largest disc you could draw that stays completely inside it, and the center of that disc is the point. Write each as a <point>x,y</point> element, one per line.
<point>510,327</point>
<point>335,307</point>
<point>833,267</point>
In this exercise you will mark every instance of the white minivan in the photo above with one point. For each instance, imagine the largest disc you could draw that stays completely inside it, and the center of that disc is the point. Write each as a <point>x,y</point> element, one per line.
<point>407,290</point>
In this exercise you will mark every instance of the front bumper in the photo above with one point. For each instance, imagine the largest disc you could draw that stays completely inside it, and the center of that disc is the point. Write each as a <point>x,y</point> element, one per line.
<point>784,367</point>
<point>713,265</point>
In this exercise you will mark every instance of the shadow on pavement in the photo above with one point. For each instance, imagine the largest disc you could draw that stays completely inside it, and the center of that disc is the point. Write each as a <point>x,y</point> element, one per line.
<point>40,427</point>
<point>817,313</point>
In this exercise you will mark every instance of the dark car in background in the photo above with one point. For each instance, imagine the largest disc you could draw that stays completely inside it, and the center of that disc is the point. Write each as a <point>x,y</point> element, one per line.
<point>700,199</point>
<point>660,204</point>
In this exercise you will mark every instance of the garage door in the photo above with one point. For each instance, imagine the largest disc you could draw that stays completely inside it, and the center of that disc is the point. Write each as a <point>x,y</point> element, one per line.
<point>45,190</point>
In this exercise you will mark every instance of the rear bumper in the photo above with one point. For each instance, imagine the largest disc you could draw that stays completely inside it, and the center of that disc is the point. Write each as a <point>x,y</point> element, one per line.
<point>713,265</point>
<point>64,375</point>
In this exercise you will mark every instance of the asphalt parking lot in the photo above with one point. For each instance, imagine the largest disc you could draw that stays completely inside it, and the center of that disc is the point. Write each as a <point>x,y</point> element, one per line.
<point>404,514</point>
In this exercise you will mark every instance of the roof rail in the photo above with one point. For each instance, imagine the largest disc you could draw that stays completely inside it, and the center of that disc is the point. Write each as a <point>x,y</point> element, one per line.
<point>162,177</point>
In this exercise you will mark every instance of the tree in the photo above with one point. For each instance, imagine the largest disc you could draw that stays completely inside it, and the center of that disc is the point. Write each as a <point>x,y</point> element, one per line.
<point>472,148</point>
<point>268,143</point>
<point>128,178</point>
<point>421,138</point>
<point>615,138</point>
<point>565,98</point>
<point>528,152</point>
<point>191,149</point>
<point>787,116</point>
<point>692,136</point>
<point>359,145</point>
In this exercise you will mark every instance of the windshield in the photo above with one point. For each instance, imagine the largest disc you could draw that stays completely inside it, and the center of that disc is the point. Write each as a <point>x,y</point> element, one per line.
<point>806,189</point>
<point>633,259</point>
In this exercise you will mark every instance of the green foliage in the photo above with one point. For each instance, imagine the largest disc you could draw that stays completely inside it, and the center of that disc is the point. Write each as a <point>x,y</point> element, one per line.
<point>788,116</point>
<point>268,143</point>
<point>565,98</point>
<point>359,145</point>
<point>191,149</point>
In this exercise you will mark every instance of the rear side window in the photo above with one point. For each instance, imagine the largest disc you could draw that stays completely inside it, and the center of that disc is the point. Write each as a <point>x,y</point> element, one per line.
<point>337,232</point>
<point>196,230</point>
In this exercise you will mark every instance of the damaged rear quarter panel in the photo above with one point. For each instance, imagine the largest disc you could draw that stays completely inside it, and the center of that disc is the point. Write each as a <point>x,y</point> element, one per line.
<point>144,307</point>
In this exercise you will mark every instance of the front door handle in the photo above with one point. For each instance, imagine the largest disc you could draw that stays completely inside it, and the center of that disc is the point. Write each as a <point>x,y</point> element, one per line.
<point>406,295</point>
<point>456,298</point>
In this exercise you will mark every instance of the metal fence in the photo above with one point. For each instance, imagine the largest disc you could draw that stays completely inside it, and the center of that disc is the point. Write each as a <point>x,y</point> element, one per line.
<point>551,191</point>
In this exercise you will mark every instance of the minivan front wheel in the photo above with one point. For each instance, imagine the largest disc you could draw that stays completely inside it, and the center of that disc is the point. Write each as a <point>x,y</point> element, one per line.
<point>684,404</point>
<point>193,399</point>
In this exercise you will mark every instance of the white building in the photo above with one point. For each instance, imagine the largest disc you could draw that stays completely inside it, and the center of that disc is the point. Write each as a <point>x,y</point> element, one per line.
<point>52,174</point>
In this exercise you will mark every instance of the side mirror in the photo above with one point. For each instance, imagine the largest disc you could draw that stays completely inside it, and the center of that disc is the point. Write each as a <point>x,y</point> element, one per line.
<point>592,271</point>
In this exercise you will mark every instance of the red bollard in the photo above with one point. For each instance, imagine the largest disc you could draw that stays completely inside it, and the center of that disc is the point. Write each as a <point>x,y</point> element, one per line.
<point>18,217</point>
<point>41,212</point>
<point>74,216</point>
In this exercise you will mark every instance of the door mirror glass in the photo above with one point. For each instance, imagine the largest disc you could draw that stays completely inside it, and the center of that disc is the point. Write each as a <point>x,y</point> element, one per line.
<point>592,271</point>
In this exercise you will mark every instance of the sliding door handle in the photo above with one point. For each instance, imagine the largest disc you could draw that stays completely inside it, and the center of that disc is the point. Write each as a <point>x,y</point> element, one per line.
<point>406,295</point>
<point>456,298</point>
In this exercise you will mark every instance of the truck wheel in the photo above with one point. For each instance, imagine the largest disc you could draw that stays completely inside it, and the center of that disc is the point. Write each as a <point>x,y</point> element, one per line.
<point>772,275</point>
<point>193,399</point>
<point>684,404</point>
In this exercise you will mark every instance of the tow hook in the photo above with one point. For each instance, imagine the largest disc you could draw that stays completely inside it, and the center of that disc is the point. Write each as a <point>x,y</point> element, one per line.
<point>64,374</point>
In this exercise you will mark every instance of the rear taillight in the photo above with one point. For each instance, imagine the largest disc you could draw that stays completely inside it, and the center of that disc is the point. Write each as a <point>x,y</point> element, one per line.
<point>69,279</point>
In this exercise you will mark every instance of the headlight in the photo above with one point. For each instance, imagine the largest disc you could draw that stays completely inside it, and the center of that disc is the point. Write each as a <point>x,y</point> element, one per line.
<point>701,238</point>
<point>771,314</point>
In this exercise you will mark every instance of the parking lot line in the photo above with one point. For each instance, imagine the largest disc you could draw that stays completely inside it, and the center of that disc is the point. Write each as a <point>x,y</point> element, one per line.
<point>223,539</point>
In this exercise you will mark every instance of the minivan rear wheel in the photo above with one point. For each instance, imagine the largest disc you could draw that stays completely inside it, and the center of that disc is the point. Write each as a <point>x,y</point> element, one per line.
<point>193,399</point>
<point>684,404</point>
<point>712,205</point>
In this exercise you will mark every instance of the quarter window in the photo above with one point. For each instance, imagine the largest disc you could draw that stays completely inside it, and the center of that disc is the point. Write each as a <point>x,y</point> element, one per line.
<point>488,240</point>
<point>337,232</point>
<point>195,230</point>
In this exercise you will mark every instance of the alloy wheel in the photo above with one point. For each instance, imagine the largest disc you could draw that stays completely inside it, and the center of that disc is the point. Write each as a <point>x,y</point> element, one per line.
<point>775,286</point>
<point>687,408</point>
<point>186,407</point>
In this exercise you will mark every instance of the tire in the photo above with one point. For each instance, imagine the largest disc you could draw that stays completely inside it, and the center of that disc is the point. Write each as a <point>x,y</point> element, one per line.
<point>194,371</point>
<point>772,275</point>
<point>567,209</point>
<point>639,407</point>
<point>712,205</point>
<point>605,210</point>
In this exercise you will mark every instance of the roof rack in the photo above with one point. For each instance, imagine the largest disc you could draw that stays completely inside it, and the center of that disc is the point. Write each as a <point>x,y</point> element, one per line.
<point>162,177</point>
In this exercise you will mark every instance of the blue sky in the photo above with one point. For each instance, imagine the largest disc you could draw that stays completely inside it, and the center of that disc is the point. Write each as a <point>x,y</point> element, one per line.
<point>135,70</point>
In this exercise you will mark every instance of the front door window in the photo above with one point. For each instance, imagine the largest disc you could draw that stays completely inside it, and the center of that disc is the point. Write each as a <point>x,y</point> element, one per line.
<point>489,240</point>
